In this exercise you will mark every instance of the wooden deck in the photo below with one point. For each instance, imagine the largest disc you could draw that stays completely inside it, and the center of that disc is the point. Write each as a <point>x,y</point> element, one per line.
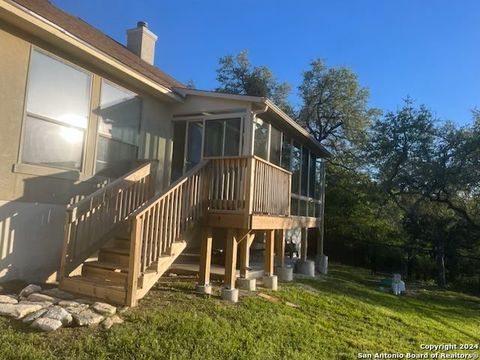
<point>243,194</point>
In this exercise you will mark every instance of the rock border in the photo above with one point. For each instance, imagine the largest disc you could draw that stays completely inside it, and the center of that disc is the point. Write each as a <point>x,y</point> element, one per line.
<point>51,309</point>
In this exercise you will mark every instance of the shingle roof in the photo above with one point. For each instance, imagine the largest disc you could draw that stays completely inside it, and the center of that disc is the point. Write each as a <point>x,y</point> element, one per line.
<point>97,39</point>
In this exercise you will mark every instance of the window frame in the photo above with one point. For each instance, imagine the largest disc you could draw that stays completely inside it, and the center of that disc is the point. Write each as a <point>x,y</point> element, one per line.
<point>21,165</point>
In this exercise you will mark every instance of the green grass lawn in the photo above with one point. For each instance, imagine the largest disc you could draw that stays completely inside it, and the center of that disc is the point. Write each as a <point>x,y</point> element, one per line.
<point>334,318</point>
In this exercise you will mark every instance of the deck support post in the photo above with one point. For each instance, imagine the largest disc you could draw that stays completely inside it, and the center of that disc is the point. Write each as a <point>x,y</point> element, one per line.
<point>284,273</point>
<point>280,247</point>
<point>245,255</point>
<point>229,292</point>
<point>203,286</point>
<point>269,280</point>
<point>303,265</point>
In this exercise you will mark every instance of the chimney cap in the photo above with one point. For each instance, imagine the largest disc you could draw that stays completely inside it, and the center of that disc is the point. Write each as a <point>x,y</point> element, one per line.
<point>142,24</point>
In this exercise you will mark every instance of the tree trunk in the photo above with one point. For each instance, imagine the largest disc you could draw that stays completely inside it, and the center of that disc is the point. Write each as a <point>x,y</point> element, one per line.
<point>440,261</point>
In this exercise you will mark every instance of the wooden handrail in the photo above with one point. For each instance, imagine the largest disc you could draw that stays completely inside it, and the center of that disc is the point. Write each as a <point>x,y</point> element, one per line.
<point>161,221</point>
<point>90,222</point>
<point>89,200</point>
<point>272,165</point>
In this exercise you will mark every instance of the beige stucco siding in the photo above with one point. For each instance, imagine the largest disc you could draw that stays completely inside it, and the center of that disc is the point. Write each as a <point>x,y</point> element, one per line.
<point>32,197</point>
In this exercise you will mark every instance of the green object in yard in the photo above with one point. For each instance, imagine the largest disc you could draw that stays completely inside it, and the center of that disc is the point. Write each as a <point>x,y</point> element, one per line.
<point>386,282</point>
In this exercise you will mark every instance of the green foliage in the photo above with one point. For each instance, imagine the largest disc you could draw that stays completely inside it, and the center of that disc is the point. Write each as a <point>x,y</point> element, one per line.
<point>335,107</point>
<point>237,75</point>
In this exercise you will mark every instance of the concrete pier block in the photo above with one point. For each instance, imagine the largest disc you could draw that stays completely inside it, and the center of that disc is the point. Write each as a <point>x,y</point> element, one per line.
<point>230,295</point>
<point>247,284</point>
<point>305,267</point>
<point>285,273</point>
<point>322,264</point>
<point>203,289</point>
<point>270,282</point>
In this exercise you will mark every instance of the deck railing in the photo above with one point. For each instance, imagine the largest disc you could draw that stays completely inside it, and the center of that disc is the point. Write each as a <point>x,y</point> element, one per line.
<point>163,219</point>
<point>90,221</point>
<point>272,186</point>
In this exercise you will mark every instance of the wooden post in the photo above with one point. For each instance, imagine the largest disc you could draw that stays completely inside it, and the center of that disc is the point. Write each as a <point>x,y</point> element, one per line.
<point>245,255</point>
<point>269,245</point>
<point>205,257</point>
<point>280,248</point>
<point>230,260</point>
<point>134,261</point>
<point>303,252</point>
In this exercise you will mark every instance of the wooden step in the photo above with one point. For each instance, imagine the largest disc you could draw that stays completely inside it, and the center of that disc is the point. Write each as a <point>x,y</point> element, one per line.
<point>115,256</point>
<point>121,243</point>
<point>95,288</point>
<point>106,272</point>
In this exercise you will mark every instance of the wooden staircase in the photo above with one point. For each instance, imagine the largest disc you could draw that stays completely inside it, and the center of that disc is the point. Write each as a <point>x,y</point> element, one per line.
<point>121,239</point>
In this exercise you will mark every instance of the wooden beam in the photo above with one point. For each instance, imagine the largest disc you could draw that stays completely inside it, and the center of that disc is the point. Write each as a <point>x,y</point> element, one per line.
<point>280,247</point>
<point>303,252</point>
<point>269,248</point>
<point>205,256</point>
<point>230,260</point>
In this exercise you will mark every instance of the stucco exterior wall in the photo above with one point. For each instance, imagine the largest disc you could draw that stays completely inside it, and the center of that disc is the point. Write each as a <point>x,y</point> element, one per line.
<point>33,198</point>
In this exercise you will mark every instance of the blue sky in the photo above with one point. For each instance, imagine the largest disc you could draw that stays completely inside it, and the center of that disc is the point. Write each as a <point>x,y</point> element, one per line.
<point>427,49</point>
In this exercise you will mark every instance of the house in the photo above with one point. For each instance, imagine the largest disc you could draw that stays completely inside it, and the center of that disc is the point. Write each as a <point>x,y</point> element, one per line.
<point>110,168</point>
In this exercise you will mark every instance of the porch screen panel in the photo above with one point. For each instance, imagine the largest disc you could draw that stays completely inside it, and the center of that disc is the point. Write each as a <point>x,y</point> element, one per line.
<point>118,130</point>
<point>213,138</point>
<point>232,137</point>
<point>58,107</point>
<point>296,167</point>
<point>261,139</point>
<point>194,144</point>
<point>312,175</point>
<point>286,152</point>
<point>275,145</point>
<point>304,177</point>
<point>179,129</point>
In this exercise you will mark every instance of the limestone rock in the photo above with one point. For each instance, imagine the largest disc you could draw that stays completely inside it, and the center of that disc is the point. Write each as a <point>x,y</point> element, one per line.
<point>110,321</point>
<point>34,316</point>
<point>60,314</point>
<point>43,304</point>
<point>37,297</point>
<point>7,310</point>
<point>104,308</point>
<point>22,310</point>
<point>107,323</point>
<point>116,319</point>
<point>76,309</point>
<point>46,324</point>
<point>8,299</point>
<point>87,318</point>
<point>68,303</point>
<point>60,294</point>
<point>30,289</point>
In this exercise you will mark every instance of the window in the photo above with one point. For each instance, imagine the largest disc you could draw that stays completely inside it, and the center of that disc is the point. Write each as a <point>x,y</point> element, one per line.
<point>275,145</point>
<point>286,152</point>
<point>222,137</point>
<point>194,144</point>
<point>260,146</point>
<point>119,125</point>
<point>58,107</point>
<point>179,129</point>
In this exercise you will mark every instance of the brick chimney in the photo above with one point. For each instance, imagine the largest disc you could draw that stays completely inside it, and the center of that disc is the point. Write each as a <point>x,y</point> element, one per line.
<point>141,42</point>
